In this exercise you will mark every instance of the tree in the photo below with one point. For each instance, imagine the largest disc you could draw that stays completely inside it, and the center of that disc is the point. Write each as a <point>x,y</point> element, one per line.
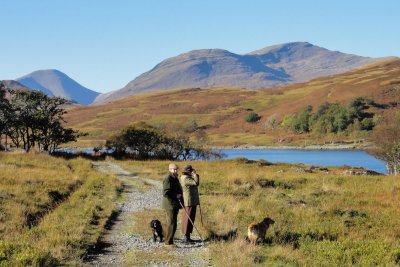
<point>140,139</point>
<point>340,118</point>
<point>302,124</point>
<point>143,141</point>
<point>367,124</point>
<point>4,113</point>
<point>56,135</point>
<point>35,119</point>
<point>387,140</point>
<point>357,107</point>
<point>48,118</point>
<point>331,118</point>
<point>288,120</point>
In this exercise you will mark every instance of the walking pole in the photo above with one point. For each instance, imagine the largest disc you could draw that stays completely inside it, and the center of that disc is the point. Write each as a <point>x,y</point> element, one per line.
<point>201,216</point>
<point>190,220</point>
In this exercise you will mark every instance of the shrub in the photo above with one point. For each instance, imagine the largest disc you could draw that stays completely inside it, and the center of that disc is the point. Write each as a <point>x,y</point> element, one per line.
<point>367,124</point>
<point>332,118</point>
<point>271,122</point>
<point>252,117</point>
<point>143,141</point>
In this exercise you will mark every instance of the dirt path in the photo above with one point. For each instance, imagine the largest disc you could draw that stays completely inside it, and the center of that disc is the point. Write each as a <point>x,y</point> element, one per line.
<point>118,242</point>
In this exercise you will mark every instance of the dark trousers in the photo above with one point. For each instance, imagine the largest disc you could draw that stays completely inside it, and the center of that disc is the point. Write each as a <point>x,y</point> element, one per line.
<point>187,226</point>
<point>172,221</point>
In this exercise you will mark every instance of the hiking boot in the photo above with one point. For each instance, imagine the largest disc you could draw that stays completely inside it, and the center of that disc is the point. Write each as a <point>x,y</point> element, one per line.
<point>187,239</point>
<point>169,245</point>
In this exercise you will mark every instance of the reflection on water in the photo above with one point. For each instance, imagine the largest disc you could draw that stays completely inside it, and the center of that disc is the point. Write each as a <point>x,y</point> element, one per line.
<point>313,157</point>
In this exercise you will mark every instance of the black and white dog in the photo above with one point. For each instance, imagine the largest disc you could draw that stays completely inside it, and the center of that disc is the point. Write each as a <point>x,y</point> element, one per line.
<point>157,230</point>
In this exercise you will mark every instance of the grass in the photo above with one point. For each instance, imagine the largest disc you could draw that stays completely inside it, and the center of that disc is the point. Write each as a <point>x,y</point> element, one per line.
<point>321,218</point>
<point>52,210</point>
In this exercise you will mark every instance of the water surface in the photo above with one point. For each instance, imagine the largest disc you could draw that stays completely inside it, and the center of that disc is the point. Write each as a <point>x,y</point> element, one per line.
<point>351,158</point>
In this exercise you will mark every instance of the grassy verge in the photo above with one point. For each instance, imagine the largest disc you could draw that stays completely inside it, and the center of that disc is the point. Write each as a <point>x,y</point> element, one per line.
<point>322,217</point>
<point>51,209</point>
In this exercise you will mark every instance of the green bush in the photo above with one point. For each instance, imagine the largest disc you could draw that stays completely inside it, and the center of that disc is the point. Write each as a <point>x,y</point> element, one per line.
<point>332,118</point>
<point>252,117</point>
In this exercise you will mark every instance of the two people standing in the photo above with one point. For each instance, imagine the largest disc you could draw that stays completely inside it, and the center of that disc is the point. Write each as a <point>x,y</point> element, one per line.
<point>177,191</point>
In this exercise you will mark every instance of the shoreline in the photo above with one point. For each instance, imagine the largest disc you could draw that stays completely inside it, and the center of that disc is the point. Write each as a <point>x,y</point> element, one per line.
<point>349,147</point>
<point>363,147</point>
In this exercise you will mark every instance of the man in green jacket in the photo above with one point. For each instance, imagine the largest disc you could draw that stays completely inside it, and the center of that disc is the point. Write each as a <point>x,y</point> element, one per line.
<point>189,180</point>
<point>172,194</point>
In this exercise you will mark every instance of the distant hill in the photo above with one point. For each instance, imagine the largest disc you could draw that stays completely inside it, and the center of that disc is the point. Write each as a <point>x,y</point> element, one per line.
<point>56,83</point>
<point>303,61</point>
<point>269,67</point>
<point>220,112</point>
<point>13,85</point>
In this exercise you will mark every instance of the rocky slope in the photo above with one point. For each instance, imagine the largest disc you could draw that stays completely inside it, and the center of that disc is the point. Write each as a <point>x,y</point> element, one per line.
<point>269,67</point>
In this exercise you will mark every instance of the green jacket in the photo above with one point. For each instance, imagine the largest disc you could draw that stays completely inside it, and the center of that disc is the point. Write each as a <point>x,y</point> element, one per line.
<point>189,185</point>
<point>171,188</point>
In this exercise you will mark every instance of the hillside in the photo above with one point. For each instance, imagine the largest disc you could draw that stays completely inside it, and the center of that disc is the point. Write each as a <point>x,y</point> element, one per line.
<point>220,111</point>
<point>265,68</point>
<point>13,85</point>
<point>56,83</point>
<point>303,61</point>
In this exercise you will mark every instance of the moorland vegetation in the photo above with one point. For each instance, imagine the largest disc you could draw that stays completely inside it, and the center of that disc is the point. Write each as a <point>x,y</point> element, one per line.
<point>246,117</point>
<point>323,216</point>
<point>51,210</point>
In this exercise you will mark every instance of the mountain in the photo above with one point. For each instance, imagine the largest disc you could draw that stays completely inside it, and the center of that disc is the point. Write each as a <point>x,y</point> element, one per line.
<point>303,61</point>
<point>265,68</point>
<point>56,83</point>
<point>221,112</point>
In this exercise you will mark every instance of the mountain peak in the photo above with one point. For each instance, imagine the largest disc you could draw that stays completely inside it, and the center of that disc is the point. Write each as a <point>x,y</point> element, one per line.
<point>283,47</point>
<point>208,52</point>
<point>56,83</point>
<point>200,54</point>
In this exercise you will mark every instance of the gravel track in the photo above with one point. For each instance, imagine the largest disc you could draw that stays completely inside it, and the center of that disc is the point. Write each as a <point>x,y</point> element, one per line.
<point>116,241</point>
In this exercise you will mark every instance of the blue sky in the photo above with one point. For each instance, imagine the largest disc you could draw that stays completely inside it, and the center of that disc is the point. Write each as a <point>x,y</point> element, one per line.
<point>103,45</point>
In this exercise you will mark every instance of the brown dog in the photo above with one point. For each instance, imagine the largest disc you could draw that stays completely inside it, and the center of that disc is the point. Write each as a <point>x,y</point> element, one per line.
<point>257,231</point>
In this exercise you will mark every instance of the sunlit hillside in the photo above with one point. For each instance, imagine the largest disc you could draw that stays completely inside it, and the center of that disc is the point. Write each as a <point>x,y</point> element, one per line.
<point>220,112</point>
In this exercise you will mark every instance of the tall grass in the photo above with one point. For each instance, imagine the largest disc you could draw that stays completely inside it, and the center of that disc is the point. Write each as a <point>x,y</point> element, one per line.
<point>321,218</point>
<point>51,209</point>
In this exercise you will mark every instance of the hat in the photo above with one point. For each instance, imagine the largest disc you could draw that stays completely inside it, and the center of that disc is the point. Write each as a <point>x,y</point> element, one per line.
<point>173,166</point>
<point>188,168</point>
